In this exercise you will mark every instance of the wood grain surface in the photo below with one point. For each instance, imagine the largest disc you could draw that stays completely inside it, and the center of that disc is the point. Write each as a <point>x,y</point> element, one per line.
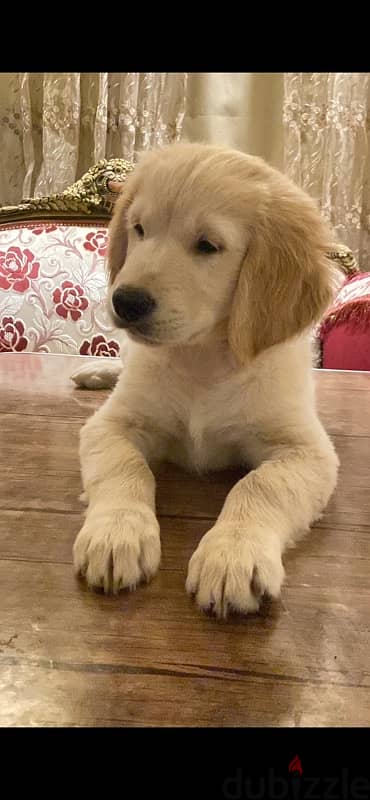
<point>71,657</point>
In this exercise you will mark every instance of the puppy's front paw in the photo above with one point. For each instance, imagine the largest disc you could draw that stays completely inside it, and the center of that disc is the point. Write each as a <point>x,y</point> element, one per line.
<point>117,549</point>
<point>233,567</point>
<point>98,375</point>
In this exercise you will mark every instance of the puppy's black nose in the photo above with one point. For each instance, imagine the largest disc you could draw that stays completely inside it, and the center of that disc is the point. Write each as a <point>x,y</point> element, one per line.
<point>132,304</point>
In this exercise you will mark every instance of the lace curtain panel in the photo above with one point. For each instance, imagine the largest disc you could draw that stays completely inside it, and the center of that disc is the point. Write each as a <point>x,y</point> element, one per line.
<point>314,126</point>
<point>326,119</point>
<point>54,126</point>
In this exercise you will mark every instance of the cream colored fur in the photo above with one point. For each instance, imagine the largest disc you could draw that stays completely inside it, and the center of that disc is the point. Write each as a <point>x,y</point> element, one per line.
<point>220,375</point>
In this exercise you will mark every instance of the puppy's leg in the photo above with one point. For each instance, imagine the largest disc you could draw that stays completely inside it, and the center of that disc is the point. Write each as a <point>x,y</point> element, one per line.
<point>239,559</point>
<point>119,543</point>
<point>102,374</point>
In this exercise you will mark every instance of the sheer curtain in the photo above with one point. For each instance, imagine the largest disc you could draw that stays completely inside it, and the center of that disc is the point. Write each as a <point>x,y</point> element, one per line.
<point>326,118</point>
<point>313,126</point>
<point>54,126</point>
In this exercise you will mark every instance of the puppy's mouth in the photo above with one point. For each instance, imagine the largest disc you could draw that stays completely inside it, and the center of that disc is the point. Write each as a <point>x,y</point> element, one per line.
<point>135,331</point>
<point>144,337</point>
<point>147,333</point>
<point>148,337</point>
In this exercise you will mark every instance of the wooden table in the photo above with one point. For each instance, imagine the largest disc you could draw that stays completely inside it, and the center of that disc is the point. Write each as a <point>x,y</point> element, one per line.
<point>71,657</point>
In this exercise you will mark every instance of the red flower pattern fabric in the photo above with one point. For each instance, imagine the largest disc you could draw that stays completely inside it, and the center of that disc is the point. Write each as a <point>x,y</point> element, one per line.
<point>44,228</point>
<point>97,242</point>
<point>12,339</point>
<point>17,268</point>
<point>99,347</point>
<point>70,299</point>
<point>53,289</point>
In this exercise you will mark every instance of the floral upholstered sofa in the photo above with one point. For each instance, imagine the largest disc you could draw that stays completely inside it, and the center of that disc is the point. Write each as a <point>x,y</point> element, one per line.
<point>52,268</point>
<point>53,281</point>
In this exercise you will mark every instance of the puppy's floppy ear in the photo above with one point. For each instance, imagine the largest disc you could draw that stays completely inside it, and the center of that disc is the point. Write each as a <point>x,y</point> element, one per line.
<point>286,280</point>
<point>117,235</point>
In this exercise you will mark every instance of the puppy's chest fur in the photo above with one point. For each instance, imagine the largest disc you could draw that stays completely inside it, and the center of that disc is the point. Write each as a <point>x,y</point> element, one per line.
<point>205,403</point>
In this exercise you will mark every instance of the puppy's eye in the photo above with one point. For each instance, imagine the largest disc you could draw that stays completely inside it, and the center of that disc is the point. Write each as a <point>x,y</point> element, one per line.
<point>204,246</point>
<point>139,230</point>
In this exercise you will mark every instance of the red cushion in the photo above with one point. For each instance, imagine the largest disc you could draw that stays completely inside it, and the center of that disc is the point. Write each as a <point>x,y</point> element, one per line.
<point>345,329</point>
<point>345,347</point>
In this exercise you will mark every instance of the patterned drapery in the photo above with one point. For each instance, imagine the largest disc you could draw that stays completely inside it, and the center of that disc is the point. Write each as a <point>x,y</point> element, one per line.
<point>54,126</point>
<point>326,118</point>
<point>314,126</point>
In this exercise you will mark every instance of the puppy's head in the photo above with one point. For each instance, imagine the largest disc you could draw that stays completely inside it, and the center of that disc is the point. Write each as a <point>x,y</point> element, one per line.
<point>203,236</point>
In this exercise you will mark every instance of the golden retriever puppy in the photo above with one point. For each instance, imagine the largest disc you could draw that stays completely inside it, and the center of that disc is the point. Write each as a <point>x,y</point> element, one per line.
<point>218,269</point>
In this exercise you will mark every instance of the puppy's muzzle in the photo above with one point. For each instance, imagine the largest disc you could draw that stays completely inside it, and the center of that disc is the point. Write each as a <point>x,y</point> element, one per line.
<point>132,305</point>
